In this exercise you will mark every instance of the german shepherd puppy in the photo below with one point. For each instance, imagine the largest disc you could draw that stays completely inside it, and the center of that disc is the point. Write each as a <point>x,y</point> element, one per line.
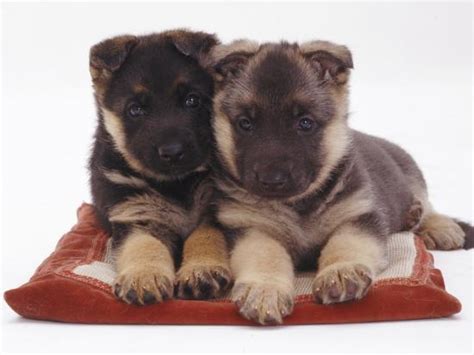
<point>149,166</point>
<point>297,183</point>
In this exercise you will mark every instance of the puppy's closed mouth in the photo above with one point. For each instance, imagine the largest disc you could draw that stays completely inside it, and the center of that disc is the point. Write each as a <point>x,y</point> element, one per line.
<point>178,172</point>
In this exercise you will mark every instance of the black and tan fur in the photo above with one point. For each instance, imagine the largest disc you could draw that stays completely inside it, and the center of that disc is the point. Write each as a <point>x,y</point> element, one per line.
<point>149,166</point>
<point>296,182</point>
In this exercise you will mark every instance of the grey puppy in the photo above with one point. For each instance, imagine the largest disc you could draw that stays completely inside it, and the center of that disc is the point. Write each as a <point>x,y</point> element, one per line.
<point>297,183</point>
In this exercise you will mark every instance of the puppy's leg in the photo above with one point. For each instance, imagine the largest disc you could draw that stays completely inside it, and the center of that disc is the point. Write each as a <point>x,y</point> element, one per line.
<point>145,269</point>
<point>440,232</point>
<point>414,215</point>
<point>437,231</point>
<point>264,277</point>
<point>205,269</point>
<point>347,265</point>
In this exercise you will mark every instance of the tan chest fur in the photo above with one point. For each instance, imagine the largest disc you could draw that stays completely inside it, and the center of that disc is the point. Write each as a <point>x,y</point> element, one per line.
<point>152,208</point>
<point>279,221</point>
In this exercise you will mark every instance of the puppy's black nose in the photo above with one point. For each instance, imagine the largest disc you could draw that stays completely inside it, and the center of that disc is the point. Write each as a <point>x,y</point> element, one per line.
<point>273,179</point>
<point>171,152</point>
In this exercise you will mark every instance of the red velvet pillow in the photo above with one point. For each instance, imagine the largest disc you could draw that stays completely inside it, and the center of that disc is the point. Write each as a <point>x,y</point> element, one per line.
<point>74,285</point>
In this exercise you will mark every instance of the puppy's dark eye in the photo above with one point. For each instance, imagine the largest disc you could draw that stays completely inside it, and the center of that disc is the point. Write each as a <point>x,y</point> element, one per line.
<point>306,124</point>
<point>136,110</point>
<point>192,100</point>
<point>245,124</point>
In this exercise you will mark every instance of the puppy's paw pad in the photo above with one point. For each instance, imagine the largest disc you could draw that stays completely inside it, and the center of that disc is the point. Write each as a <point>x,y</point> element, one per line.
<point>342,282</point>
<point>441,232</point>
<point>202,281</point>
<point>263,303</point>
<point>143,287</point>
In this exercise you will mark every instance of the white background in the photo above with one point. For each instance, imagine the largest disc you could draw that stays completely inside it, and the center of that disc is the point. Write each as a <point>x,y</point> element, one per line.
<point>412,84</point>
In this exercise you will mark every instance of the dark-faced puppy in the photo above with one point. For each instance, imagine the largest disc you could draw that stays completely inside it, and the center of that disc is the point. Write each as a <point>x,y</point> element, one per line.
<point>296,181</point>
<point>149,166</point>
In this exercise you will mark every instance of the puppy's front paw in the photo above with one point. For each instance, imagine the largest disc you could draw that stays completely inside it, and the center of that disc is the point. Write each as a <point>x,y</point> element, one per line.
<point>342,282</point>
<point>262,303</point>
<point>143,286</point>
<point>202,281</point>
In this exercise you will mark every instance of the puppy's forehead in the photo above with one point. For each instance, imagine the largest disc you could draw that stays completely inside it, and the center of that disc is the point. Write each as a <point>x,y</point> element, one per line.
<point>161,62</point>
<point>156,66</point>
<point>277,73</point>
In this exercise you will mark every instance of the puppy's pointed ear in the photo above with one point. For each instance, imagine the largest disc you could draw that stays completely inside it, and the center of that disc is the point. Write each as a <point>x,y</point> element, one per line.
<point>108,56</point>
<point>227,61</point>
<point>332,61</point>
<point>196,45</point>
